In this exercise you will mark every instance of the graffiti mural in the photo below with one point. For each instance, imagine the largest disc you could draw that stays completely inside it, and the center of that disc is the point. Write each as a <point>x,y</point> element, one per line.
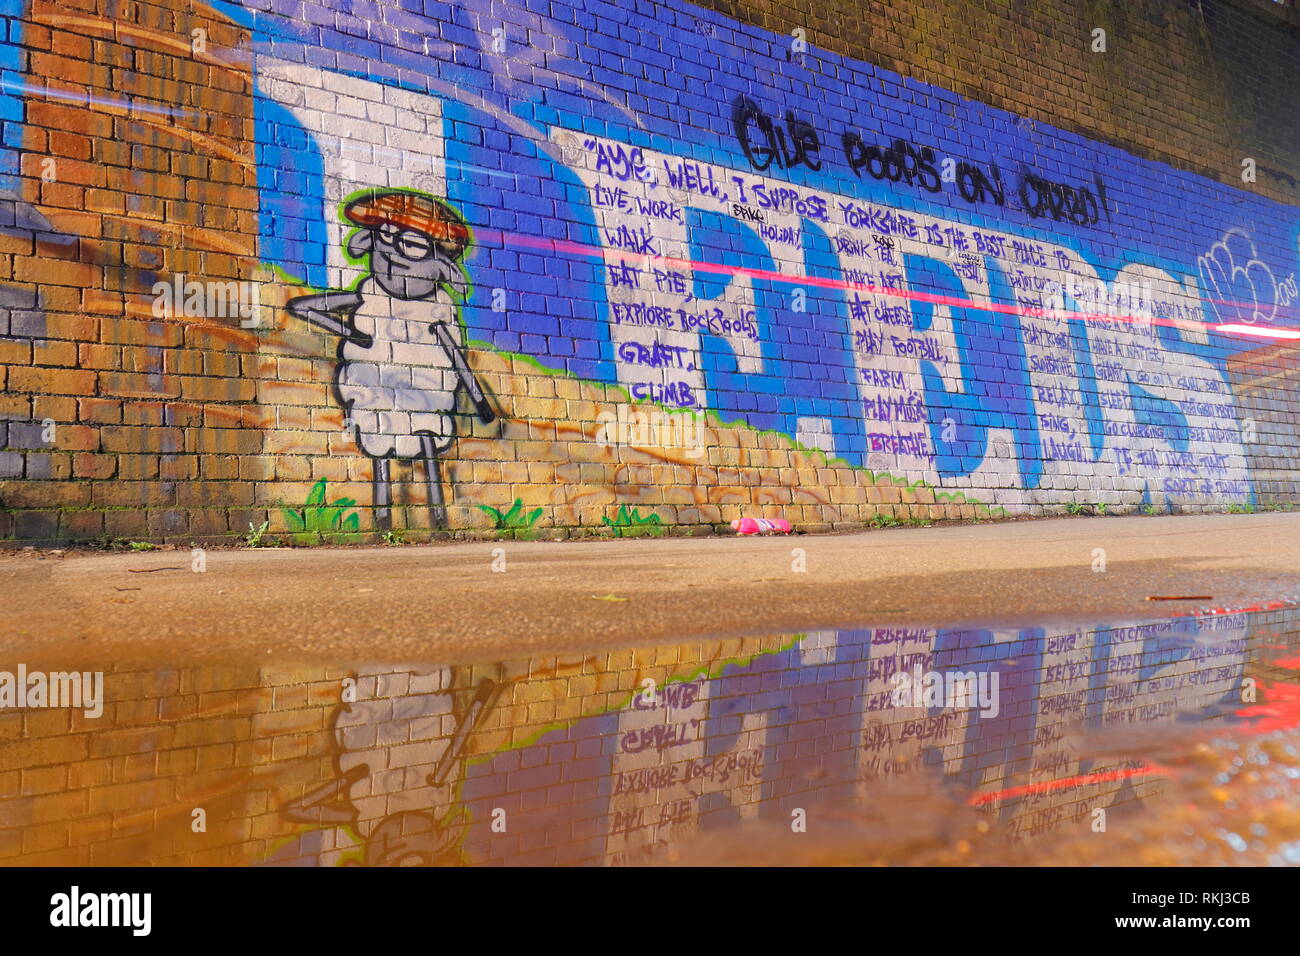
<point>401,359</point>
<point>887,298</point>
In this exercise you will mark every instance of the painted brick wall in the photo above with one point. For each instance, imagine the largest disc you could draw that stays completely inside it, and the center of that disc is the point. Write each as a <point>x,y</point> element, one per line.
<point>466,268</point>
<point>579,760</point>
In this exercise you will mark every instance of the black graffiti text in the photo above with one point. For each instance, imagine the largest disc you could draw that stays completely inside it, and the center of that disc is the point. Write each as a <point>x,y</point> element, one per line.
<point>901,161</point>
<point>765,141</point>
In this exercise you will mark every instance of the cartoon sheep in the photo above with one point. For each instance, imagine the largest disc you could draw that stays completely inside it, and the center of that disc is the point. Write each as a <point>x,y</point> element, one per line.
<point>400,757</point>
<point>400,359</point>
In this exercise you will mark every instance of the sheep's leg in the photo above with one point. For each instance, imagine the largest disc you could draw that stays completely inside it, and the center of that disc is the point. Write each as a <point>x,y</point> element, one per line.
<point>382,494</point>
<point>437,511</point>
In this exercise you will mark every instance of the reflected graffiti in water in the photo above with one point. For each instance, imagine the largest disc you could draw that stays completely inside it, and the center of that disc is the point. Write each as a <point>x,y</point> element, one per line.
<point>814,723</point>
<point>400,749</point>
<point>1026,736</point>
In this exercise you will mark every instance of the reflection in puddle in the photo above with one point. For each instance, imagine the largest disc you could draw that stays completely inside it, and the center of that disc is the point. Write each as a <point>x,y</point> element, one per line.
<point>1165,742</point>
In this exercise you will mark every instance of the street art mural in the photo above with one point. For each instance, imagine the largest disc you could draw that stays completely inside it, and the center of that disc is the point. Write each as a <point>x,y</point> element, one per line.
<point>899,742</point>
<point>880,293</point>
<point>401,359</point>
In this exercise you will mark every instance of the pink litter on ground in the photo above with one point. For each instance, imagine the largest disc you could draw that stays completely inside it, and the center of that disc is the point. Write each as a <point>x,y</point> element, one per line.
<point>761,526</point>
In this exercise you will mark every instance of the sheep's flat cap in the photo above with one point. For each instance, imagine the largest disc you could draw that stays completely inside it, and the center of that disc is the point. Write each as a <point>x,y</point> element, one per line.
<point>410,210</point>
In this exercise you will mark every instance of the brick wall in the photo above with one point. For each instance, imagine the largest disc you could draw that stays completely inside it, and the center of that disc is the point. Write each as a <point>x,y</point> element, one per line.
<point>580,760</point>
<point>677,265</point>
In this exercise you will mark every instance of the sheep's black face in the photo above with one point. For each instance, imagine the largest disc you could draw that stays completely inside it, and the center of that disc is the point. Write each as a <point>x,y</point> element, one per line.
<point>408,264</point>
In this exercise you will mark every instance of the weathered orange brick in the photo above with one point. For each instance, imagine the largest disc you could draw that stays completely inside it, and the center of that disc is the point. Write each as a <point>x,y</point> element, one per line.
<point>92,466</point>
<point>99,410</point>
<point>57,381</point>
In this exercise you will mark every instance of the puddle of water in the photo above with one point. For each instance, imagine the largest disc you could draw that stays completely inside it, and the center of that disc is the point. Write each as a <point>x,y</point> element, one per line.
<point>1172,742</point>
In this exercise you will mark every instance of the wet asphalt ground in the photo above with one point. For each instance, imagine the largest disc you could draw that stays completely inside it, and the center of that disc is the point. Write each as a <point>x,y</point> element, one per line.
<point>463,602</point>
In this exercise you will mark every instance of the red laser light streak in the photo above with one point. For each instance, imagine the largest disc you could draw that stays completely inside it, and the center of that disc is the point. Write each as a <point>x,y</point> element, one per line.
<point>1064,783</point>
<point>599,252</point>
